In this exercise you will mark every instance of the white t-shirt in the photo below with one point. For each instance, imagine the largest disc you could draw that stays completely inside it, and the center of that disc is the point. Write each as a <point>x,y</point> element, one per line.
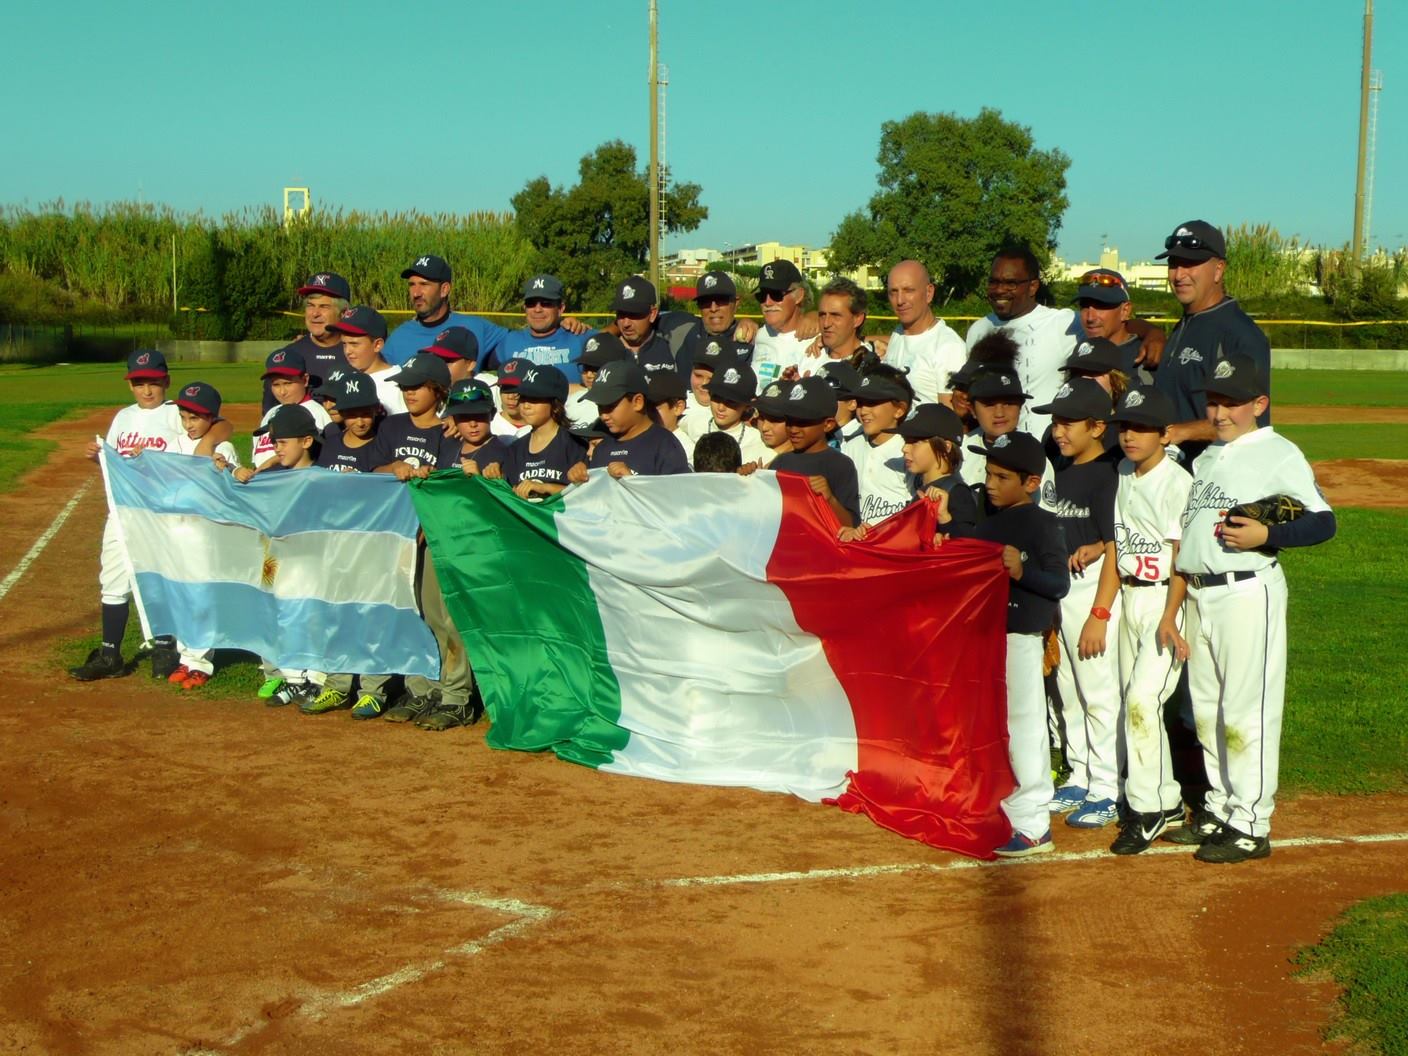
<point>158,428</point>
<point>1149,518</point>
<point>884,486</point>
<point>929,357</point>
<point>1255,465</point>
<point>1045,337</point>
<point>687,442</point>
<point>264,447</point>
<point>501,426</point>
<point>774,352</point>
<point>186,446</point>
<point>388,392</point>
<point>750,441</point>
<point>974,470</point>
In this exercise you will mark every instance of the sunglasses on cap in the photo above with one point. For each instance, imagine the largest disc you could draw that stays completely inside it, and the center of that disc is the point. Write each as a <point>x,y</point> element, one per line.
<point>540,302</point>
<point>1101,278</point>
<point>772,295</point>
<point>1186,242</point>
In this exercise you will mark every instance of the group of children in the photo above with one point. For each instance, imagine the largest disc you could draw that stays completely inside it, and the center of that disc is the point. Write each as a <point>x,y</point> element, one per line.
<point>1109,543</point>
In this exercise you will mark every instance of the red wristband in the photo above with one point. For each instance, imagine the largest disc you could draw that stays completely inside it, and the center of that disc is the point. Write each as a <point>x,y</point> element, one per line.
<point>1099,613</point>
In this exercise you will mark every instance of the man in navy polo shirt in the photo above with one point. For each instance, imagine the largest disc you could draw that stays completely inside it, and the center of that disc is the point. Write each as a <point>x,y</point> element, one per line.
<point>717,325</point>
<point>545,340</point>
<point>325,296</point>
<point>637,309</point>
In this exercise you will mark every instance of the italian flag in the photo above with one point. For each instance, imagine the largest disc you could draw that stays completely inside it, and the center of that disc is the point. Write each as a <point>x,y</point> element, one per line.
<point>710,628</point>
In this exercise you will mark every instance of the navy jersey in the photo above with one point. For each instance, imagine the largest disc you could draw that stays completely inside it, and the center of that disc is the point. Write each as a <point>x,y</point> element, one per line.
<point>1032,600</point>
<point>839,471</point>
<point>697,339</point>
<point>1198,341</point>
<point>654,355</point>
<point>549,465</point>
<point>340,458</point>
<point>653,453</point>
<point>486,454</point>
<point>962,503</point>
<point>400,440</point>
<point>1083,499</point>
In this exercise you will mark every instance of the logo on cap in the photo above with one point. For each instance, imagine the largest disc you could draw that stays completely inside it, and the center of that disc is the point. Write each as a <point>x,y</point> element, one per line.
<point>1223,369</point>
<point>591,344</point>
<point>767,272</point>
<point>1085,349</point>
<point>710,282</point>
<point>348,313</point>
<point>336,375</point>
<point>1063,392</point>
<point>320,280</point>
<point>192,390</point>
<point>353,385</point>
<point>422,262</point>
<point>144,359</point>
<point>277,357</point>
<point>866,383</point>
<point>712,349</point>
<point>731,376</point>
<point>1001,441</point>
<point>797,394</point>
<point>1005,379</point>
<point>1133,400</point>
<point>628,290</point>
<point>604,374</point>
<point>538,284</point>
<point>773,390</point>
<point>1182,232</point>
<point>530,375</point>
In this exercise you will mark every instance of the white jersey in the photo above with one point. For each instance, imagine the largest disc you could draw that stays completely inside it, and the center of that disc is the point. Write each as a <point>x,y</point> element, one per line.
<point>501,426</point>
<point>696,420</point>
<point>774,352</point>
<point>1251,467</point>
<point>974,470</point>
<point>264,447</point>
<point>1045,338</point>
<point>388,392</point>
<point>133,427</point>
<point>884,485</point>
<point>929,358</point>
<point>1149,518</point>
<point>688,442</point>
<point>186,446</point>
<point>750,441</point>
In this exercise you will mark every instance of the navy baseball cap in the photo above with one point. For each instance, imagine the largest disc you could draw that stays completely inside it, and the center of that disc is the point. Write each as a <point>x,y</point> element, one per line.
<point>1145,405</point>
<point>1078,399</point>
<point>1104,286</point>
<point>199,397</point>
<point>328,388</point>
<point>842,377</point>
<point>809,400</point>
<point>716,284</point>
<point>1237,378</point>
<point>595,431</point>
<point>454,342</point>
<point>665,386</point>
<point>470,397</point>
<point>930,420</point>
<point>772,401</point>
<point>146,364</point>
<point>635,296</point>
<point>996,384</point>
<point>716,356</point>
<point>878,388</point>
<point>360,321</point>
<point>423,369</point>
<point>326,282</point>
<point>1195,240</point>
<point>548,287</point>
<point>285,363</point>
<point>511,372</point>
<point>960,379</point>
<point>429,267</point>
<point>779,276</point>
<point>1020,452</point>
<point>542,383</point>
<point>617,379</point>
<point>289,421</point>
<point>355,389</point>
<point>1095,356</point>
<point>736,384</point>
<point>601,349</point>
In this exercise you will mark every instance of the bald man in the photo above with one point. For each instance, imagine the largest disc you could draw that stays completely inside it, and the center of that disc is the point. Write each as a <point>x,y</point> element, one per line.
<point>923,343</point>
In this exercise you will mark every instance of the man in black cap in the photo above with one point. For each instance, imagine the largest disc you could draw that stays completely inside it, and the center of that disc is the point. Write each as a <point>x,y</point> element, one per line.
<point>1213,327</point>
<point>325,296</point>
<point>717,327</point>
<point>637,308</point>
<point>777,347</point>
<point>429,282</point>
<point>1104,308</point>
<point>546,339</point>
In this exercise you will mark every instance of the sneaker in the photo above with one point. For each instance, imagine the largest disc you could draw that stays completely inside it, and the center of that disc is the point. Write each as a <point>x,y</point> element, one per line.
<point>1020,846</point>
<point>448,716</point>
<point>101,663</point>
<point>1094,814</point>
<point>270,687</point>
<point>195,680</point>
<point>1200,828</point>
<point>166,660</point>
<point>367,707</point>
<point>1067,799</point>
<point>179,675</point>
<point>1231,845</point>
<point>1138,832</point>
<point>327,700</point>
<point>411,707</point>
<point>288,693</point>
<point>1175,816</point>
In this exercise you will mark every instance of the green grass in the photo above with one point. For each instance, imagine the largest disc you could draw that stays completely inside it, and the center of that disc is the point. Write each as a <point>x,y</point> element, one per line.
<point>1346,720</point>
<point>1320,442</point>
<point>1340,388</point>
<point>1367,954</point>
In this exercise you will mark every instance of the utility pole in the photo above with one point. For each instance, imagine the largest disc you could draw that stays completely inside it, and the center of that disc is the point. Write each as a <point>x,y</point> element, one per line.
<point>1357,250</point>
<point>655,144</point>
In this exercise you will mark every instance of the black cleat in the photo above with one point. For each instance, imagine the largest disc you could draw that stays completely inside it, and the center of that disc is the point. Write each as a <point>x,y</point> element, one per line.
<point>1198,829</point>
<point>448,716</point>
<point>165,660</point>
<point>411,708</point>
<point>1138,832</point>
<point>101,663</point>
<point>1232,845</point>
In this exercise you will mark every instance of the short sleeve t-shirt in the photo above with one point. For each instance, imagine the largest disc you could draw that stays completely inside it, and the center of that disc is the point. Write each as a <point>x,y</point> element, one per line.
<point>550,465</point>
<point>556,349</point>
<point>400,440</point>
<point>884,485</point>
<point>1045,338</point>
<point>226,450</point>
<point>839,471</point>
<point>774,352</point>
<point>338,457</point>
<point>1083,498</point>
<point>158,428</point>
<point>486,454</point>
<point>655,452</point>
<point>388,392</point>
<point>750,441</point>
<point>413,335</point>
<point>929,358</point>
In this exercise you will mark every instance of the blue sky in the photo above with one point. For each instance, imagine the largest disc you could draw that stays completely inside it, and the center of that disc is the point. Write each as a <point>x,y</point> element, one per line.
<point>1242,111</point>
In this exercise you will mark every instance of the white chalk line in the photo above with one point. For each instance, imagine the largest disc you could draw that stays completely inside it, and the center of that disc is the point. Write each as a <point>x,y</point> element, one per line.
<point>1051,858</point>
<point>39,544</point>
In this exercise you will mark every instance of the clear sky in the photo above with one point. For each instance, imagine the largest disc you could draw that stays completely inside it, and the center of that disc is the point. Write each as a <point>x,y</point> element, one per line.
<point>1237,111</point>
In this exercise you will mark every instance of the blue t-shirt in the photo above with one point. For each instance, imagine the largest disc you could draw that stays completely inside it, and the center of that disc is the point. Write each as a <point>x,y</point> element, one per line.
<point>413,335</point>
<point>655,452</point>
<point>557,349</point>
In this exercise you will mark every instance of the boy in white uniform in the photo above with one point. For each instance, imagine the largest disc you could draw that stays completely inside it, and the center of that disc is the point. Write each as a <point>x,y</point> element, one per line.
<point>731,393</point>
<point>1235,622</point>
<point>883,400</point>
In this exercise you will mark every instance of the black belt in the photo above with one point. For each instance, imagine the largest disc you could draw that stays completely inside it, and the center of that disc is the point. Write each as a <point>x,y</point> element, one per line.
<point>1203,580</point>
<point>1132,581</point>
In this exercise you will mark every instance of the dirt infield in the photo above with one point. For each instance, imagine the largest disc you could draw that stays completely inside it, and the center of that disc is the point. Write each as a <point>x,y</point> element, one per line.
<point>1300,414</point>
<point>188,877</point>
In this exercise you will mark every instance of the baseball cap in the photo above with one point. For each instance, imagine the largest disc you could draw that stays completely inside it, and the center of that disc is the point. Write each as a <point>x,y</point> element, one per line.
<point>360,321</point>
<point>355,389</point>
<point>810,400</point>
<point>601,349</point>
<point>429,267</point>
<point>285,363</point>
<point>933,419</point>
<point>715,284</point>
<point>772,401</point>
<point>470,396</point>
<point>328,388</point>
<point>1078,399</point>
<point>199,397</point>
<point>1195,240</point>
<point>454,342</point>
<point>594,431</point>
<point>289,421</point>
<point>1145,405</point>
<point>617,379</point>
<point>842,377</point>
<point>879,388</point>
<point>1020,452</point>
<point>716,355</point>
<point>1103,286</point>
<point>548,287</point>
<point>1237,378</point>
<point>1095,356</point>
<point>328,282</point>
<point>994,384</point>
<point>960,379</point>
<point>736,384</point>
<point>511,372</point>
<point>146,363</point>
<point>635,296</point>
<point>665,386</point>
<point>779,276</point>
<point>542,383</point>
<point>423,369</point>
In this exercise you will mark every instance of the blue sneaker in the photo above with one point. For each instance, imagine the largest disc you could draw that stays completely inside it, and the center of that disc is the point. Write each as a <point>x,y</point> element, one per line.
<point>1067,799</point>
<point>1020,846</point>
<point>1094,814</point>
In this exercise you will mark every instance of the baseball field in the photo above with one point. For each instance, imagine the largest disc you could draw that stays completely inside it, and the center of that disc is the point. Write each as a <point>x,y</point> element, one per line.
<point>191,872</point>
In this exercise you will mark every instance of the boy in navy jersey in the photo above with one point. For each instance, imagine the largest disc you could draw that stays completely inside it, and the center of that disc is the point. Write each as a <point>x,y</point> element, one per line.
<point>810,411</point>
<point>638,443</point>
<point>347,443</point>
<point>471,407</point>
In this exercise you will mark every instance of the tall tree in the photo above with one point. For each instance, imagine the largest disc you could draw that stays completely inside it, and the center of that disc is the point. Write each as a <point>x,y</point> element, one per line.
<point>952,191</point>
<point>596,233</point>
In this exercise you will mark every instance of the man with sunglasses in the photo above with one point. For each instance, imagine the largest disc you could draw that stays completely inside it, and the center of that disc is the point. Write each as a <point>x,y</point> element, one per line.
<point>778,347</point>
<point>717,329</point>
<point>1104,309</point>
<point>1213,327</point>
<point>545,340</point>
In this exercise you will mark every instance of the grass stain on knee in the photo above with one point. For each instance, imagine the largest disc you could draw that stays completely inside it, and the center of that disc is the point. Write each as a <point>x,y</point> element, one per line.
<point>1236,741</point>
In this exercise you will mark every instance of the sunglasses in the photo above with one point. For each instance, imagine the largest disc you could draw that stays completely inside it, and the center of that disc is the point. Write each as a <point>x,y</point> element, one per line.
<point>1101,278</point>
<point>1185,242</point>
<point>714,302</point>
<point>540,302</point>
<point>764,296</point>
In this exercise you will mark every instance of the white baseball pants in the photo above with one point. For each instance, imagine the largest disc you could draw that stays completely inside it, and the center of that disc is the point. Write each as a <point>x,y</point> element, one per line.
<point>1028,807</point>
<point>1090,692</point>
<point>1148,677</point>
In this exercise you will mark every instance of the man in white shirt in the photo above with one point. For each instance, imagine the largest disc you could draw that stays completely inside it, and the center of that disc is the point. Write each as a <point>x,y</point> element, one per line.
<point>776,347</point>
<point>924,345</point>
<point>841,311</point>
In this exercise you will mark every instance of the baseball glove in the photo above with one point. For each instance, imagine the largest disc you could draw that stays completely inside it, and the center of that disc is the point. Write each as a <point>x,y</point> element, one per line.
<point>1274,509</point>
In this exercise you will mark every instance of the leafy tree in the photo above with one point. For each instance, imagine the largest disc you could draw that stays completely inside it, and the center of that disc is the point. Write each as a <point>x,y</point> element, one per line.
<point>596,233</point>
<point>952,191</point>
